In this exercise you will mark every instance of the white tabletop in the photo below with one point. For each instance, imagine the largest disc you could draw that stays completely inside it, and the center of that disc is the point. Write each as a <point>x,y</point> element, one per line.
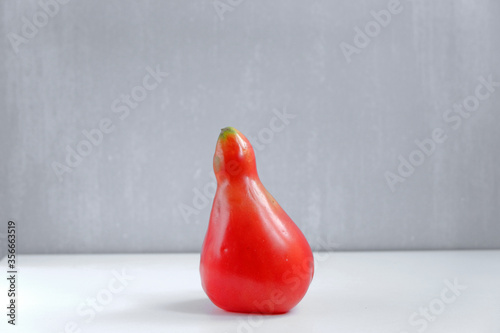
<point>446,291</point>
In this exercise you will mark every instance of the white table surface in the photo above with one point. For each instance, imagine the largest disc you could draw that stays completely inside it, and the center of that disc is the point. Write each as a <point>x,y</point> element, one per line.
<point>351,292</point>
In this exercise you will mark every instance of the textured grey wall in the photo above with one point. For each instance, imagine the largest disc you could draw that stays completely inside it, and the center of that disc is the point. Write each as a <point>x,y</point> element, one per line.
<point>356,101</point>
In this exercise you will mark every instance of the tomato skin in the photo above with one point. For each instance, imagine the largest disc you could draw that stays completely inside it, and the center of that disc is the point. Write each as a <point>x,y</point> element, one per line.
<point>254,258</point>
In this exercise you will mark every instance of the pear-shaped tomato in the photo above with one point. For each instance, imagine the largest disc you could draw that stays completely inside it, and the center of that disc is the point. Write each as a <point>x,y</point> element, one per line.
<point>254,258</point>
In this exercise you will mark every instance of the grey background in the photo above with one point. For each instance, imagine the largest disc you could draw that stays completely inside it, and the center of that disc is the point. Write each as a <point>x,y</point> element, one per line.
<point>326,167</point>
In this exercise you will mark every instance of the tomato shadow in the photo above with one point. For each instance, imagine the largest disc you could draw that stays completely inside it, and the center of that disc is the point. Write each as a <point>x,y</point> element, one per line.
<point>197,306</point>
<point>155,310</point>
<point>203,306</point>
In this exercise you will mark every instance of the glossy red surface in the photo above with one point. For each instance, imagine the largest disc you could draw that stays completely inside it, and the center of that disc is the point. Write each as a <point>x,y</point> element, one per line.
<point>254,258</point>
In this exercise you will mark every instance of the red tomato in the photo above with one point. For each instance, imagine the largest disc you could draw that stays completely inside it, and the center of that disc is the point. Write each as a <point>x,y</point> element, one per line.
<point>254,258</point>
